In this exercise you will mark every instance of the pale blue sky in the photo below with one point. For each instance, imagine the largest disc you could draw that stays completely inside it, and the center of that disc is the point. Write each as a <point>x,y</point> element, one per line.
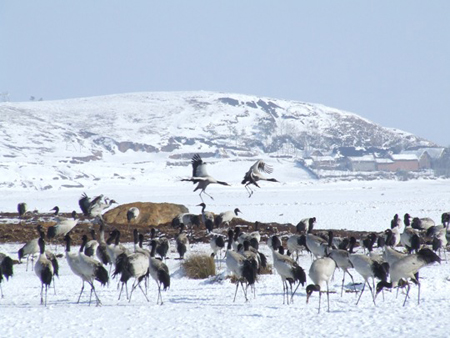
<point>388,61</point>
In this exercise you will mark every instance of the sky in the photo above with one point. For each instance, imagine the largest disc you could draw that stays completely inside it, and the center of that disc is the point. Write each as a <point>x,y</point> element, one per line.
<point>387,61</point>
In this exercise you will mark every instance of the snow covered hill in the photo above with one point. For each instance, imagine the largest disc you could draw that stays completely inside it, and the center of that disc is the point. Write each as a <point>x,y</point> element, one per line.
<point>78,142</point>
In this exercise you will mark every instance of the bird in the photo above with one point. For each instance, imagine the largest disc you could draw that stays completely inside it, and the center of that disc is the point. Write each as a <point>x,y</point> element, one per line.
<point>295,243</point>
<point>31,248</point>
<point>439,241</point>
<point>22,209</point>
<point>320,273</point>
<point>44,270</point>
<point>132,214</point>
<point>274,242</point>
<point>162,244</point>
<point>62,227</point>
<point>317,245</point>
<point>207,218</point>
<point>159,272</point>
<point>134,265</point>
<point>342,260</point>
<point>115,249</point>
<point>90,249</point>
<point>201,177</point>
<point>255,174</point>
<point>189,220</point>
<point>422,223</point>
<point>226,217</point>
<point>6,269</point>
<point>368,268</point>
<point>408,268</point>
<point>91,270</point>
<point>101,252</point>
<point>409,238</point>
<point>96,206</point>
<point>244,269</point>
<point>182,242</point>
<point>289,271</point>
<point>55,211</point>
<point>217,243</point>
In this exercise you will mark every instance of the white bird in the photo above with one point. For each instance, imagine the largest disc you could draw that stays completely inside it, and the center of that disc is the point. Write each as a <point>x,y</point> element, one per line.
<point>132,215</point>
<point>207,218</point>
<point>159,272</point>
<point>409,238</point>
<point>368,268</point>
<point>226,217</point>
<point>408,268</point>
<point>44,270</point>
<point>440,241</point>
<point>115,249</point>
<point>62,227</point>
<point>289,271</point>
<point>255,174</point>
<point>422,223</point>
<point>320,273</point>
<point>201,176</point>
<point>244,269</point>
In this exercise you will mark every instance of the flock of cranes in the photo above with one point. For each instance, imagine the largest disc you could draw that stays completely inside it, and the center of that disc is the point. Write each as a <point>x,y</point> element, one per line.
<point>380,264</point>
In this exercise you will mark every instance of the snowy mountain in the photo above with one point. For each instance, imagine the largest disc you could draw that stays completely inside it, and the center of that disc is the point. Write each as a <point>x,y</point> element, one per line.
<point>68,143</point>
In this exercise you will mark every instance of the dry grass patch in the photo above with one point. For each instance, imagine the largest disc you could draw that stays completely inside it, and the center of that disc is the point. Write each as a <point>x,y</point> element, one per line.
<point>199,266</point>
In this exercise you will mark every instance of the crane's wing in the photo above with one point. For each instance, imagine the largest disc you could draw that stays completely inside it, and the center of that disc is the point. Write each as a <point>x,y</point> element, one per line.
<point>261,166</point>
<point>84,203</point>
<point>198,166</point>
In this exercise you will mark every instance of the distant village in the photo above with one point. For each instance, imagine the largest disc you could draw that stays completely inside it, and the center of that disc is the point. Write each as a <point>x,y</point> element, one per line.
<point>375,160</point>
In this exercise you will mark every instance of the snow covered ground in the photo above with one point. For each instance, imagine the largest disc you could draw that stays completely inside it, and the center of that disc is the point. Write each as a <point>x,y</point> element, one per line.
<point>200,308</point>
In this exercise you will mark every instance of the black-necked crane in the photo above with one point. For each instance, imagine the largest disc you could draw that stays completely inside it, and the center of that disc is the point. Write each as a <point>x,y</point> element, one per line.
<point>162,243</point>
<point>320,273</point>
<point>390,255</point>
<point>318,246</point>
<point>207,218</point>
<point>342,260</point>
<point>6,269</point>
<point>159,272</point>
<point>445,218</point>
<point>422,223</point>
<point>217,243</point>
<point>44,270</point>
<point>132,215</point>
<point>22,209</point>
<point>134,265</point>
<point>439,241</point>
<point>295,243</point>
<point>115,249</point>
<point>90,249</point>
<point>226,217</point>
<point>31,248</point>
<point>91,270</point>
<point>408,268</point>
<point>55,211</point>
<point>289,271</point>
<point>305,223</point>
<point>182,242</point>
<point>409,238</point>
<point>274,242</point>
<point>201,176</point>
<point>189,220</point>
<point>368,268</point>
<point>95,207</point>
<point>62,227</point>
<point>255,174</point>
<point>244,269</point>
